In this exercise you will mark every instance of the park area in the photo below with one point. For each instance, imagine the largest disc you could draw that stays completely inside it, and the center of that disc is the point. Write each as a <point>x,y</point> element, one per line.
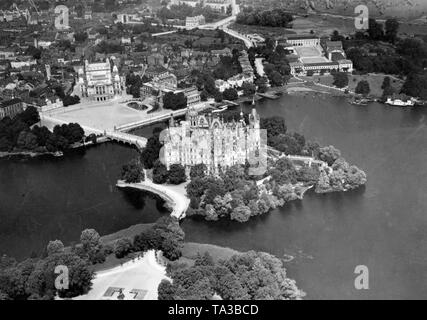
<point>375,82</point>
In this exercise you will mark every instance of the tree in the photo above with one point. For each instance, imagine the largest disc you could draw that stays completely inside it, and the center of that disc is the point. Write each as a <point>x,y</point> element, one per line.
<point>416,86</point>
<point>160,173</point>
<point>204,260</point>
<point>166,290</point>
<point>248,88</point>
<point>174,101</point>
<point>375,31</point>
<point>90,239</point>
<point>133,172</point>
<point>80,36</point>
<point>69,100</point>
<point>30,116</point>
<point>198,171</point>
<point>386,82</point>
<point>55,246</point>
<point>27,141</point>
<point>340,79</point>
<point>363,88</point>
<point>230,94</point>
<point>218,97</point>
<point>274,126</point>
<point>150,153</point>
<point>177,174</point>
<point>391,29</point>
<point>122,247</point>
<point>329,154</point>
<point>41,282</point>
<point>241,213</point>
<point>387,92</point>
<point>147,240</point>
<point>204,95</point>
<point>276,78</point>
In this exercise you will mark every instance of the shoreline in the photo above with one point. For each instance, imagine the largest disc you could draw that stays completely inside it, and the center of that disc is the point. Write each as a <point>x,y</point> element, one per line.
<point>175,196</point>
<point>33,154</point>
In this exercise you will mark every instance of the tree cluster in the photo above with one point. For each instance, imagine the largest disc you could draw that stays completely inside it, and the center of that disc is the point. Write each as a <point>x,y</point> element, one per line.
<point>182,11</point>
<point>133,172</point>
<point>165,235</point>
<point>34,279</point>
<point>174,101</point>
<point>247,276</point>
<point>16,134</point>
<point>267,18</point>
<point>175,175</point>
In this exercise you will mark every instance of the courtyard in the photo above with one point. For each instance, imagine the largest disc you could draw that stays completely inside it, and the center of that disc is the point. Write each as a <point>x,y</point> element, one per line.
<point>98,117</point>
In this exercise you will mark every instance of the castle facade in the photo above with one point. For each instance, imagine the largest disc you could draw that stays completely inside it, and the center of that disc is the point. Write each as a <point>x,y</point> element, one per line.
<point>208,139</point>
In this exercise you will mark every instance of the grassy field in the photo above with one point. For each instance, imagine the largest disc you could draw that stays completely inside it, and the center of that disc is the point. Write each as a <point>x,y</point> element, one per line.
<point>218,253</point>
<point>126,233</point>
<point>375,82</point>
<point>262,31</point>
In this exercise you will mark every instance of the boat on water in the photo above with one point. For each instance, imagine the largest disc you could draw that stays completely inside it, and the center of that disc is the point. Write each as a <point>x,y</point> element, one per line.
<point>359,101</point>
<point>58,154</point>
<point>401,101</point>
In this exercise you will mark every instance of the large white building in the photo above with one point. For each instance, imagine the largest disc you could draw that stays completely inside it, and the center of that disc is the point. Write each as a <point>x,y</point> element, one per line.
<point>316,56</point>
<point>208,139</point>
<point>100,81</point>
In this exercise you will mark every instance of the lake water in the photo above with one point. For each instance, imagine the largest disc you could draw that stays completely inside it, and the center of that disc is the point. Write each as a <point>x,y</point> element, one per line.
<point>56,198</point>
<point>382,226</point>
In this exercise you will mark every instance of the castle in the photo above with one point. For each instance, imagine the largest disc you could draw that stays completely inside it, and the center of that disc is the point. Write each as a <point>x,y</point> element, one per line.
<point>100,81</point>
<point>210,140</point>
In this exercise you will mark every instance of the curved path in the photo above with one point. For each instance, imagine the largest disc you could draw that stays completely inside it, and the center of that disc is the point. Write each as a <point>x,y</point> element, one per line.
<point>175,195</point>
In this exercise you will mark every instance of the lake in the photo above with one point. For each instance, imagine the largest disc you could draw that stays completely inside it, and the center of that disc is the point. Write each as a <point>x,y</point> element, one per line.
<point>382,226</point>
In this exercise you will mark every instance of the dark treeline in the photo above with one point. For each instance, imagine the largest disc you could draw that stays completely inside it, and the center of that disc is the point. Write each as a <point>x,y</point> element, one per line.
<point>17,135</point>
<point>268,18</point>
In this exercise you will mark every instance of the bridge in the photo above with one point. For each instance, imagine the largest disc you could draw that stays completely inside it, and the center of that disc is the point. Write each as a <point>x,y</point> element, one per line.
<point>158,118</point>
<point>123,137</point>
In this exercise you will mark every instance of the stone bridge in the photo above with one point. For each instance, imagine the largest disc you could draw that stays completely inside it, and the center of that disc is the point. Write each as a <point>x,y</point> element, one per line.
<point>131,139</point>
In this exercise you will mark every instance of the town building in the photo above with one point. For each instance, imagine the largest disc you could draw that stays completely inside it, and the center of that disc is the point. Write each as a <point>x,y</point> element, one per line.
<point>312,56</point>
<point>194,22</point>
<point>234,82</point>
<point>192,95</point>
<point>303,40</point>
<point>100,81</point>
<point>208,139</point>
<point>11,108</point>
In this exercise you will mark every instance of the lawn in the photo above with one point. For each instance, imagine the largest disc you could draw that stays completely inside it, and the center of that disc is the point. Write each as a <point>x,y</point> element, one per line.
<point>262,31</point>
<point>218,253</point>
<point>375,82</point>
